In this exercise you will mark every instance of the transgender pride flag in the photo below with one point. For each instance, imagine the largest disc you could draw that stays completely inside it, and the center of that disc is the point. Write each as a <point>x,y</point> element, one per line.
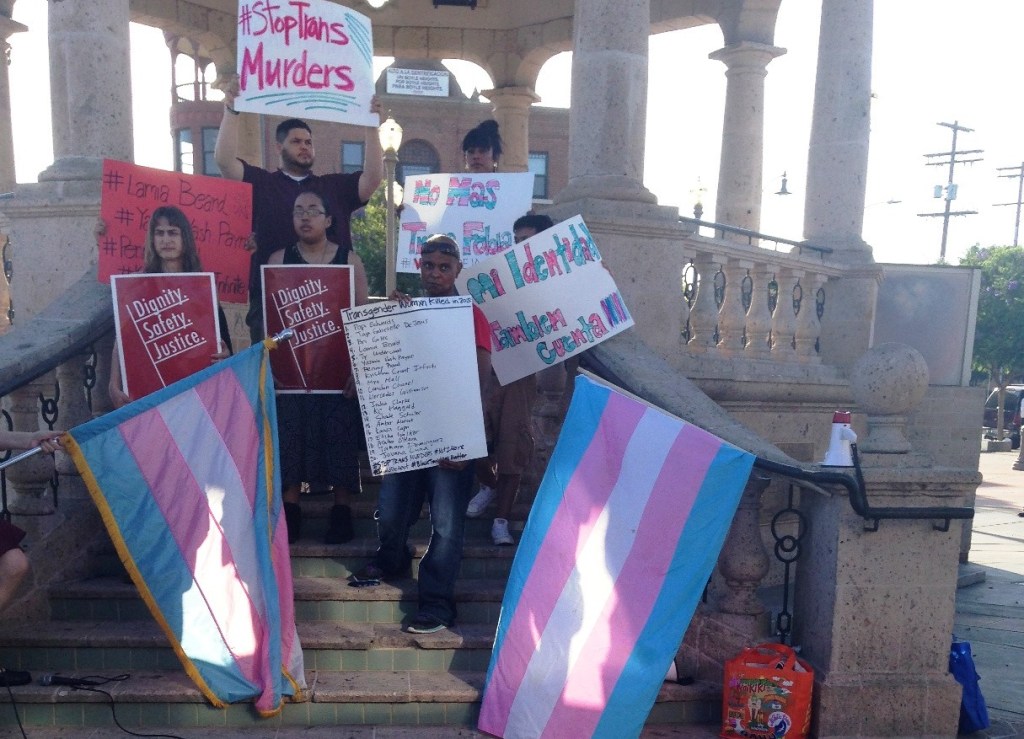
<point>186,481</point>
<point>623,535</point>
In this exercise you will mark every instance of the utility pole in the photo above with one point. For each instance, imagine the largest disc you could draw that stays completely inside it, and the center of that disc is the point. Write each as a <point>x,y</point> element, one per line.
<point>1019,174</point>
<point>950,189</point>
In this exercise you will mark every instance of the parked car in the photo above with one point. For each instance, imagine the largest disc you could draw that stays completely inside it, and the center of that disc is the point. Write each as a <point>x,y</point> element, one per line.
<point>1011,412</point>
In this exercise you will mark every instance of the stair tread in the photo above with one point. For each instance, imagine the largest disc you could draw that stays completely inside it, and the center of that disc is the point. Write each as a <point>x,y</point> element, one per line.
<point>312,635</point>
<point>324,686</point>
<point>305,588</point>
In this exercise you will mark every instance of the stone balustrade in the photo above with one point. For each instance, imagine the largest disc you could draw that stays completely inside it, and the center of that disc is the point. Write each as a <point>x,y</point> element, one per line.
<point>744,300</point>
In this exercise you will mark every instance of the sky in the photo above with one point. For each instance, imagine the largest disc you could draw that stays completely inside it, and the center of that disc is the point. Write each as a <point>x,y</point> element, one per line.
<point>933,62</point>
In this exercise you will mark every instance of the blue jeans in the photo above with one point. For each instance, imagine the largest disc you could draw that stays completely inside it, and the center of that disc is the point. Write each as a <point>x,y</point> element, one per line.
<point>401,497</point>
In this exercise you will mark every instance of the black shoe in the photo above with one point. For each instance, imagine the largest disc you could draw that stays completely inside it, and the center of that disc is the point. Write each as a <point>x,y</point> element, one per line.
<point>425,624</point>
<point>339,529</point>
<point>293,519</point>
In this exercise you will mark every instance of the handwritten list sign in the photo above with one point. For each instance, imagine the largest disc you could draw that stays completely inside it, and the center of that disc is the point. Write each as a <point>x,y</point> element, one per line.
<point>476,210</point>
<point>219,211</point>
<point>546,299</point>
<point>312,59</point>
<point>166,326</point>
<point>308,300</point>
<point>416,375</point>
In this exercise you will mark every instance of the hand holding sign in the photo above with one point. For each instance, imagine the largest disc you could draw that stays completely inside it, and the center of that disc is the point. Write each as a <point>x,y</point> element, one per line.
<point>313,59</point>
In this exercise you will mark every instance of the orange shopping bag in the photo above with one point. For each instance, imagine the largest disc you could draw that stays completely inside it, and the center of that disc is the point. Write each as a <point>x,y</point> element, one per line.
<point>767,693</point>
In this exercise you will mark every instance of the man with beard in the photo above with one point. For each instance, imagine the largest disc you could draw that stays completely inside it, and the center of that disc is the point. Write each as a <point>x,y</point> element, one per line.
<point>274,193</point>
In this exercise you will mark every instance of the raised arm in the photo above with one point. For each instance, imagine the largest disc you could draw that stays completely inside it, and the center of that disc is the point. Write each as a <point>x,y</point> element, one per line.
<point>373,158</point>
<point>226,148</point>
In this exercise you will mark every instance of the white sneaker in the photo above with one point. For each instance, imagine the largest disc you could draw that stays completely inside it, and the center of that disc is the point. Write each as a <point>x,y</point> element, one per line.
<point>480,501</point>
<point>499,532</point>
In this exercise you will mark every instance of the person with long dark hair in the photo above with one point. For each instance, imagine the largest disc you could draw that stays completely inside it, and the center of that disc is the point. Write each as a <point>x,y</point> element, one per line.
<point>170,248</point>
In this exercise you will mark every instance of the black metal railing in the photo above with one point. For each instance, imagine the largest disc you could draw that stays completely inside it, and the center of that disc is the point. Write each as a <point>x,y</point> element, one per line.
<point>720,229</point>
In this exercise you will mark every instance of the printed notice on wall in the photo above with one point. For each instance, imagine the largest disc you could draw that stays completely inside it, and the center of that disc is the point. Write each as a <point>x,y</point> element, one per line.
<point>308,299</point>
<point>476,210</point>
<point>166,327</point>
<point>312,59</point>
<point>416,375</point>
<point>422,82</point>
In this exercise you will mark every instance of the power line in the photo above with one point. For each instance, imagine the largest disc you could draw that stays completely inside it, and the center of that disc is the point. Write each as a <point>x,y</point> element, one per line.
<point>1019,174</point>
<point>950,188</point>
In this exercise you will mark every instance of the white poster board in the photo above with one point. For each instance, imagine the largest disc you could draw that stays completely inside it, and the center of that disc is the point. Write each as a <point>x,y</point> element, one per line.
<point>476,210</point>
<point>309,59</point>
<point>416,376</point>
<point>546,299</point>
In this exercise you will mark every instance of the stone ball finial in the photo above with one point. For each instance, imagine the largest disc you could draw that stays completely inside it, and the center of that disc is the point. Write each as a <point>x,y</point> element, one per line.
<point>888,382</point>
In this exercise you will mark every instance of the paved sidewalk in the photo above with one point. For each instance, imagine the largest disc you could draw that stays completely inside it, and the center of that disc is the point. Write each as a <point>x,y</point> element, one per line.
<point>990,614</point>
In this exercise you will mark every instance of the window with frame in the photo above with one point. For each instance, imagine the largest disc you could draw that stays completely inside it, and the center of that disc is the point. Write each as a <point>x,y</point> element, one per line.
<point>352,155</point>
<point>184,158</point>
<point>416,157</point>
<point>539,166</point>
<point>210,166</point>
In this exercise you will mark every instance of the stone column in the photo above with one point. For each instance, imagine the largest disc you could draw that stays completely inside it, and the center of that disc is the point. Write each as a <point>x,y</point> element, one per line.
<point>90,86</point>
<point>7,174</point>
<point>7,180</point>
<point>512,112</point>
<point>875,612</point>
<point>740,173</point>
<point>837,161</point>
<point>608,118</point>
<point>52,222</point>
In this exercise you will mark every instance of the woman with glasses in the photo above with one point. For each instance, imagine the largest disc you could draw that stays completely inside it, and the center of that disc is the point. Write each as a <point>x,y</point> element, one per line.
<point>320,434</point>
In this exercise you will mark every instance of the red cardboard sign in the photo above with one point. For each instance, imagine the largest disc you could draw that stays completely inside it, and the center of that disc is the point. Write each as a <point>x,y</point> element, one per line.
<point>219,210</point>
<point>308,300</point>
<point>167,328</point>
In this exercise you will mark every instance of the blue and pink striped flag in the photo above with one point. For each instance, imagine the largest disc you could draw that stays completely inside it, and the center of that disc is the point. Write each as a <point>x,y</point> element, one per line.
<point>626,528</point>
<point>187,483</point>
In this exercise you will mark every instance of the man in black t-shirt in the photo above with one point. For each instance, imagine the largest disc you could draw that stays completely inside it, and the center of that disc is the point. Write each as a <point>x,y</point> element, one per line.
<point>274,193</point>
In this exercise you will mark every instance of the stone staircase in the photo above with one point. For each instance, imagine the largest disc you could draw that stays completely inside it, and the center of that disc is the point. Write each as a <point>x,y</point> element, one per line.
<point>362,670</point>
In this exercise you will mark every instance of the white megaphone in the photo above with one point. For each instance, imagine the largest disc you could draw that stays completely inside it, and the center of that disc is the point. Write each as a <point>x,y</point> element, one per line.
<point>839,453</point>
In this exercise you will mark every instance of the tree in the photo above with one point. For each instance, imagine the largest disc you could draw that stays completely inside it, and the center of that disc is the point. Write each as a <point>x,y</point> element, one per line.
<point>999,332</point>
<point>368,236</point>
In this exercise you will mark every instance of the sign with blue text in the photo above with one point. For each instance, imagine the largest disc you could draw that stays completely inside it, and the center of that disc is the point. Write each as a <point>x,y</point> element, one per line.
<point>476,210</point>
<point>305,59</point>
<point>546,299</point>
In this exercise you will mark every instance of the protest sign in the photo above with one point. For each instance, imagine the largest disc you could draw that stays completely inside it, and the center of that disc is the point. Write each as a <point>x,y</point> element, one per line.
<point>416,375</point>
<point>546,299</point>
<point>312,59</point>
<point>166,326</point>
<point>219,210</point>
<point>308,300</point>
<point>476,210</point>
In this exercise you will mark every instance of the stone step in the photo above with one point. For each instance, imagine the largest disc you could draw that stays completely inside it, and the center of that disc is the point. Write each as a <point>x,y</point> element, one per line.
<point>480,559</point>
<point>651,731</point>
<point>316,599</point>
<point>69,646</point>
<point>151,698</point>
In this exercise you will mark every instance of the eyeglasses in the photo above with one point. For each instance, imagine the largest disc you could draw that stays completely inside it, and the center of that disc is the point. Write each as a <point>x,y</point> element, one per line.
<point>310,212</point>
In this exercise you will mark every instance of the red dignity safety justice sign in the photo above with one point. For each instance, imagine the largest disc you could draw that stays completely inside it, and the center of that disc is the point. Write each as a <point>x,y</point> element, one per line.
<point>166,326</point>
<point>308,300</point>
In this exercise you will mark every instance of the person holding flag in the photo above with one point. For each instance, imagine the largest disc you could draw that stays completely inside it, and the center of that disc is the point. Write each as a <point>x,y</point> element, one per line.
<point>13,560</point>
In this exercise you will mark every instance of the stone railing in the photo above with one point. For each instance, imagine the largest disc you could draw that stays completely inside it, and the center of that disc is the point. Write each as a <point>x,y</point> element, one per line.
<point>744,299</point>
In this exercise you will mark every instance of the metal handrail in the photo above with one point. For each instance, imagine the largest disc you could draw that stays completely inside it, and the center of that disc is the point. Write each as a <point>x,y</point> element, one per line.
<point>751,235</point>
